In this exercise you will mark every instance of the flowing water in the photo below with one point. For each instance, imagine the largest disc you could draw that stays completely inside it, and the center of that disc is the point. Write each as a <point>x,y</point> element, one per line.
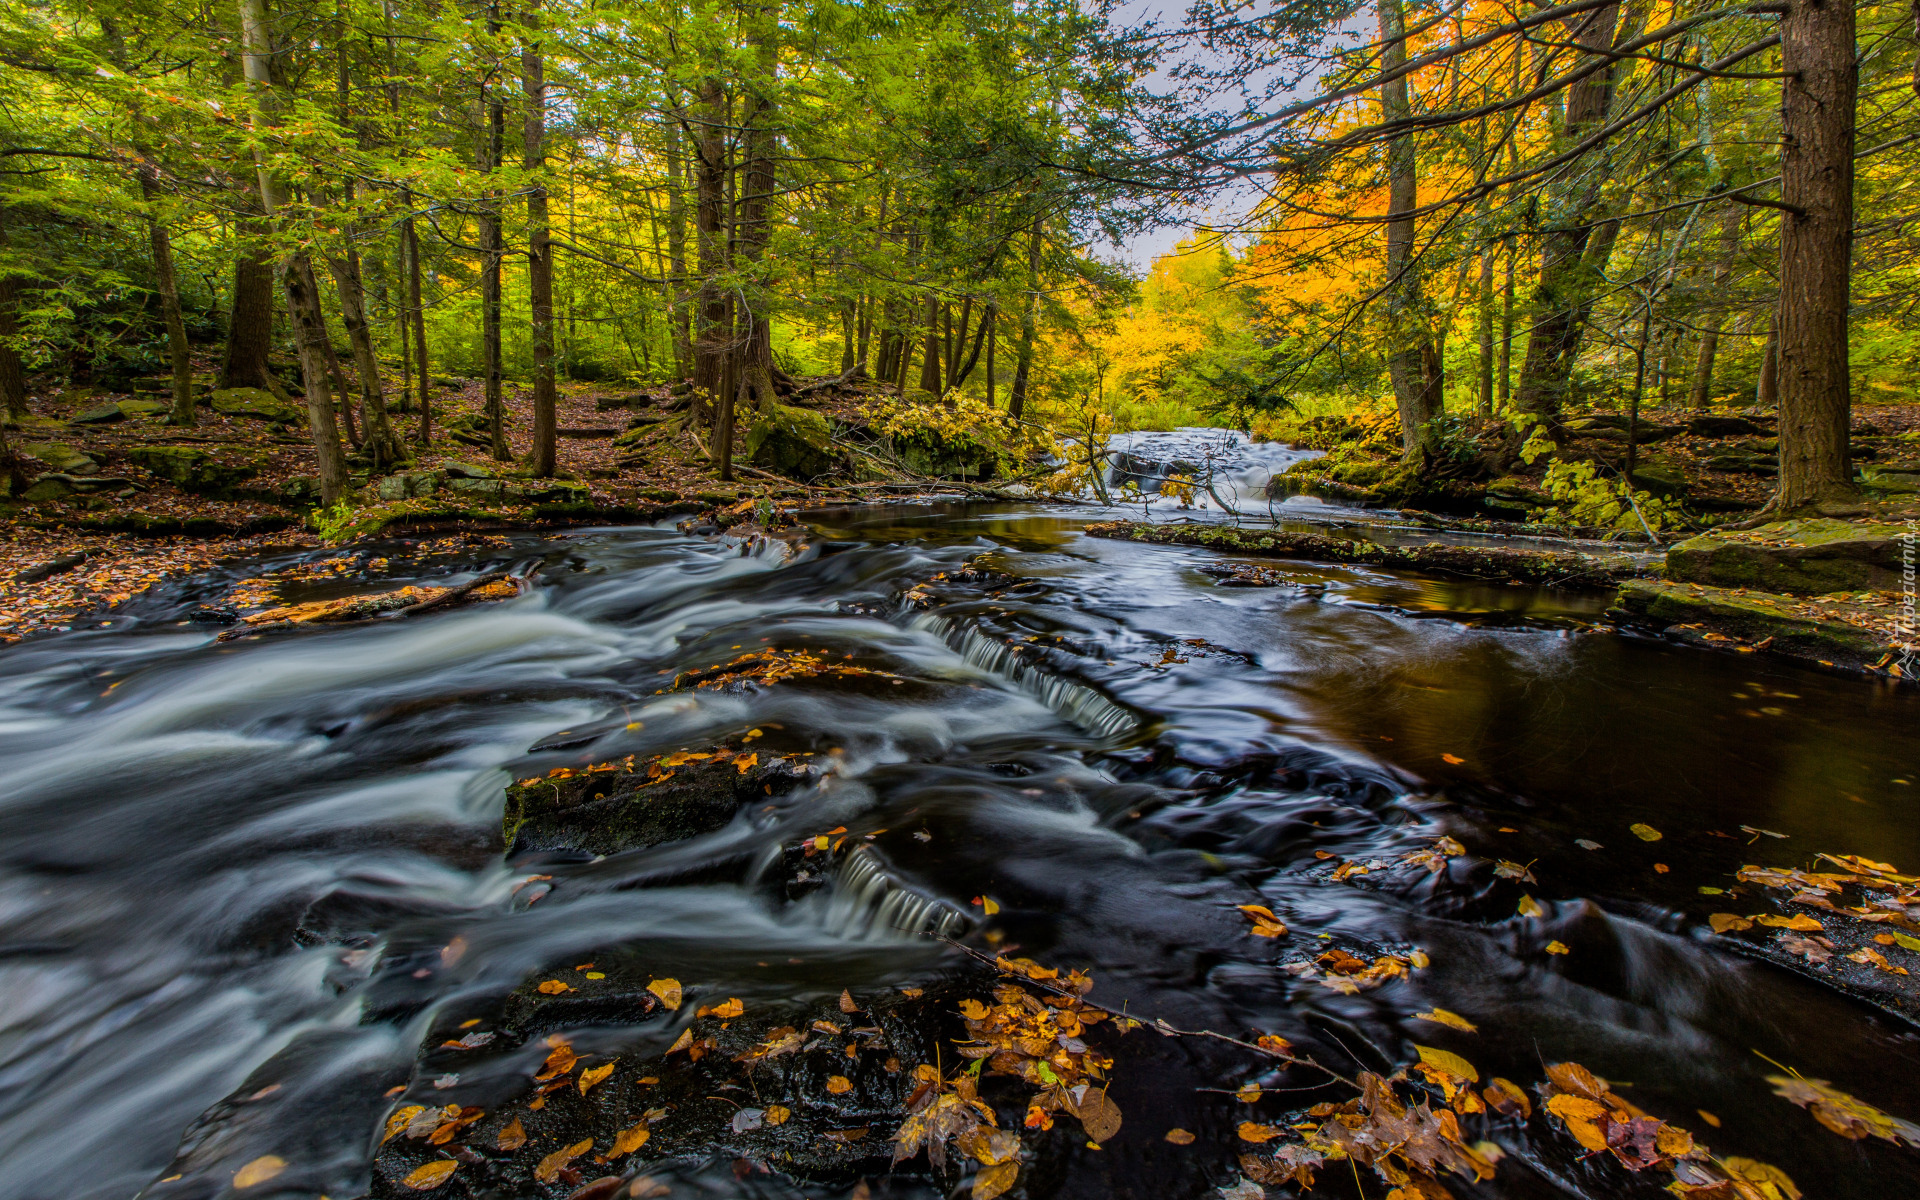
<point>228,869</point>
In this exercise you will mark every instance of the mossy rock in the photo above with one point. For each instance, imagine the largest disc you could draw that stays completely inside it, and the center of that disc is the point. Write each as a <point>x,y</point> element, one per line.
<point>256,404</point>
<point>48,488</point>
<point>603,813</point>
<point>60,457</point>
<point>794,442</point>
<point>1797,557</point>
<point>408,485</point>
<point>1661,478</point>
<point>100,414</point>
<point>466,470</point>
<point>145,408</point>
<point>1748,617</point>
<point>191,469</point>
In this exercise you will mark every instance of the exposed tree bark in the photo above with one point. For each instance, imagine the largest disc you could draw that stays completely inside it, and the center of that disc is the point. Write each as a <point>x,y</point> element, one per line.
<point>1766,393</point>
<point>754,226</point>
<point>1506,328</point>
<point>417,321</point>
<point>539,248</point>
<point>1413,361</point>
<point>296,274</point>
<point>1816,253</point>
<point>1029,320</point>
<point>1577,243</point>
<point>381,440</point>
<point>958,377</point>
<point>993,321</point>
<point>713,334</point>
<point>249,321</point>
<point>13,379</point>
<point>930,364</point>
<point>1702,389</point>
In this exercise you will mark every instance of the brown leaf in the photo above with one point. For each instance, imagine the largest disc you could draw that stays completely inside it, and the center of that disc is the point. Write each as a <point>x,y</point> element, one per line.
<point>839,1085</point>
<point>846,1002</point>
<point>593,1075</point>
<point>551,1166</point>
<point>1441,1016</point>
<point>1798,921</point>
<point>1844,1115</point>
<point>628,1140</point>
<point>1180,1137</point>
<point>1728,922</point>
<point>512,1137</point>
<point>431,1175</point>
<point>1253,1131</point>
<point>259,1171</point>
<point>1099,1116</point>
<point>995,1180</point>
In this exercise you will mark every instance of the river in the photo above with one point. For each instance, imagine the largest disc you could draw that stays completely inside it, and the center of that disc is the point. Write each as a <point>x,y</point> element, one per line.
<point>222,862</point>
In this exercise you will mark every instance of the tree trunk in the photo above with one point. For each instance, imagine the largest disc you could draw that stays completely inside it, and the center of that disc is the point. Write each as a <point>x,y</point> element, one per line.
<point>993,320</point>
<point>178,353</point>
<point>1413,362</point>
<point>539,252</point>
<point>296,274</point>
<point>1029,321</point>
<point>681,318</point>
<point>13,380</point>
<point>1506,328</point>
<point>1766,393</point>
<point>710,148</point>
<point>249,322</point>
<point>380,440</point>
<point>417,320</point>
<point>754,226</point>
<point>1702,389</point>
<point>1570,261</point>
<point>1484,328</point>
<point>930,364</point>
<point>1816,253</point>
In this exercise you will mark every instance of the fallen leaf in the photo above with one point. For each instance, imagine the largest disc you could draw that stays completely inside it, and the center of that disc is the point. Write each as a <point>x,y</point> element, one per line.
<point>1099,1116</point>
<point>1452,759</point>
<point>727,1011</point>
<point>553,987</point>
<point>1253,1131</point>
<point>1514,870</point>
<point>1249,1093</point>
<point>593,1075</point>
<point>1708,1117</point>
<point>1760,833</point>
<point>1809,948</point>
<point>995,1180</point>
<point>1275,1044</point>
<point>1447,1063</point>
<point>987,905</point>
<point>1749,1171</point>
<point>512,1137</point>
<point>1645,833</point>
<point>1441,1016</point>
<point>839,1085</point>
<point>683,1042</point>
<point>1529,907</point>
<point>846,1002</point>
<point>668,990</point>
<point>777,1114</point>
<point>628,1140</point>
<point>1725,922</point>
<point>1584,844</point>
<point>400,1119</point>
<point>1180,1137</point>
<point>551,1166</point>
<point>1798,921</point>
<point>1558,947</point>
<point>431,1175</point>
<point>451,952</point>
<point>259,1171</point>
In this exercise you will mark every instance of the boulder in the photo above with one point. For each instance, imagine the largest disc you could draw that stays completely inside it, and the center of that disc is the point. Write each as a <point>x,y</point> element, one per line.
<point>1805,557</point>
<point>630,400</point>
<point>476,489</point>
<point>1716,615</point>
<point>192,469</point>
<point>1516,491</point>
<point>1716,427</point>
<point>1743,464</point>
<point>794,442</point>
<point>407,485</point>
<point>1892,479</point>
<point>458,469</point>
<point>145,408</point>
<point>100,414</point>
<point>300,490</point>
<point>256,404</point>
<point>1662,478</point>
<point>48,487</point>
<point>59,457</point>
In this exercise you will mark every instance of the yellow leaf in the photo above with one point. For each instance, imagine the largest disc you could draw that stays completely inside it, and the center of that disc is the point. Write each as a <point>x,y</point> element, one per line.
<point>1452,759</point>
<point>1180,1137</point>
<point>1253,1131</point>
<point>259,1171</point>
<point>629,1140</point>
<point>553,987</point>
<point>1645,833</point>
<point>1557,947</point>
<point>1761,1173</point>
<point>777,1114</point>
<point>400,1119</point>
<point>431,1175</point>
<point>1441,1016</point>
<point>1448,1063</point>
<point>1728,922</point>
<point>683,1041</point>
<point>513,1136</point>
<point>743,765</point>
<point>988,905</point>
<point>1418,958</point>
<point>839,1085</point>
<point>593,1075</point>
<point>993,1181</point>
<point>1249,1093</point>
<point>1581,1116</point>
<point>1907,940</point>
<point>668,990</point>
<point>1798,921</point>
<point>726,1011</point>
<point>1529,907</point>
<point>551,1166</point>
<point>973,1010</point>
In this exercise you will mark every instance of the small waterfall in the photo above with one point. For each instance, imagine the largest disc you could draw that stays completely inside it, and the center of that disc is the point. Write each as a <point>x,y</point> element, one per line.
<point>1076,702</point>
<point>1237,467</point>
<point>868,902</point>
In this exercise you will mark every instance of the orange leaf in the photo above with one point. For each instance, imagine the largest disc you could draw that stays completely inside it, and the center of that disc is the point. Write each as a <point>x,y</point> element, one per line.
<point>551,1166</point>
<point>259,1171</point>
<point>839,1085</point>
<point>629,1140</point>
<point>668,990</point>
<point>553,987</point>
<point>593,1075</point>
<point>513,1136</point>
<point>431,1175</point>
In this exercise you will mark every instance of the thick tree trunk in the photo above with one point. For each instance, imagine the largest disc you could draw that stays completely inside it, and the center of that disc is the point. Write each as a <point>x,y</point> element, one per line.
<point>381,441</point>
<point>1413,362</point>
<point>1506,328</point>
<point>1029,322</point>
<point>539,254</point>
<point>681,317</point>
<point>754,226</point>
<point>249,322</point>
<point>417,321</point>
<point>930,363</point>
<point>296,274</point>
<point>492,253</point>
<point>1816,253</point>
<point>180,356</point>
<point>1577,243</point>
<point>1483,324</point>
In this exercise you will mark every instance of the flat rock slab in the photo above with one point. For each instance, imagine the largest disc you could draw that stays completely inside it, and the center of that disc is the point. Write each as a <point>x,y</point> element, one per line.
<point>1557,567</point>
<point>1806,557</point>
<point>1744,620</point>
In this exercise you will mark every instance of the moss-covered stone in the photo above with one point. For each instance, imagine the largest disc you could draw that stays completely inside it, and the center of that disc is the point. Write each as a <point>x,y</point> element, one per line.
<point>406,485</point>
<point>1754,619</point>
<point>256,404</point>
<point>192,469</point>
<point>795,442</point>
<point>1804,557</point>
<point>1660,477</point>
<point>60,457</point>
<point>100,414</point>
<point>145,408</point>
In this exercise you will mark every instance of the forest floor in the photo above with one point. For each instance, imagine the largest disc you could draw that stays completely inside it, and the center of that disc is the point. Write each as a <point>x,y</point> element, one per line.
<point>99,526</point>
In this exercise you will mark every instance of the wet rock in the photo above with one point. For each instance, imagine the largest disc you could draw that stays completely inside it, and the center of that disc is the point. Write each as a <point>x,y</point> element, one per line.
<point>1728,619</point>
<point>300,489</point>
<point>192,469</point>
<point>602,812</point>
<point>255,404</point>
<point>1803,557</point>
<point>1743,464</point>
<point>794,442</point>
<point>466,470</point>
